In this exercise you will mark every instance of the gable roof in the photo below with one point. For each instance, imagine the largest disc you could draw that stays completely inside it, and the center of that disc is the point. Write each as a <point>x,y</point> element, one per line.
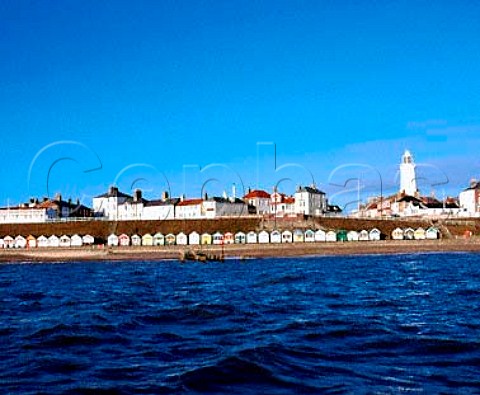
<point>310,189</point>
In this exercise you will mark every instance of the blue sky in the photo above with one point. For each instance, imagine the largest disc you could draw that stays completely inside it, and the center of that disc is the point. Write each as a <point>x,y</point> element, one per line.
<point>191,96</point>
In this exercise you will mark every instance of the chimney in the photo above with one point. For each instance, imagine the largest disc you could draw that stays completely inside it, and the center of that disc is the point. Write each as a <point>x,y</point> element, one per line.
<point>205,196</point>
<point>182,197</point>
<point>58,197</point>
<point>113,191</point>
<point>137,195</point>
<point>165,195</point>
<point>473,183</point>
<point>234,191</point>
<point>45,199</point>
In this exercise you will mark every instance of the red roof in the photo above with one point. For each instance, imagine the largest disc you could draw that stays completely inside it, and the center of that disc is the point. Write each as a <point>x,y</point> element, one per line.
<point>190,202</point>
<point>257,194</point>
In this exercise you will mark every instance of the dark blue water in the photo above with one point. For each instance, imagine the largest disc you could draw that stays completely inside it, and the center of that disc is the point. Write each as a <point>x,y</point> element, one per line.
<point>372,324</point>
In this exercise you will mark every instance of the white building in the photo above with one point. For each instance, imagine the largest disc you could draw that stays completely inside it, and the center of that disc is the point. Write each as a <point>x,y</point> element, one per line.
<point>16,215</point>
<point>107,205</point>
<point>310,201</point>
<point>470,199</point>
<point>258,199</point>
<point>282,205</point>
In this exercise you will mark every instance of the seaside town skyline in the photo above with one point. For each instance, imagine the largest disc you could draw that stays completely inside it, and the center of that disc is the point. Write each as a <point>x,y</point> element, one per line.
<point>306,201</point>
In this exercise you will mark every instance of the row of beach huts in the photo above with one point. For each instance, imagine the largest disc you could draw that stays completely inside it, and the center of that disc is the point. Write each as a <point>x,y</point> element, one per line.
<point>194,238</point>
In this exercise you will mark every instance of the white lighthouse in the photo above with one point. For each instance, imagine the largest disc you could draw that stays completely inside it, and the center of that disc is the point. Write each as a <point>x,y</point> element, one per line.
<point>408,180</point>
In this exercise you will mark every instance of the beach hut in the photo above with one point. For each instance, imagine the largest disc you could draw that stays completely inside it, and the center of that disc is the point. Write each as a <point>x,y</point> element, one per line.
<point>375,234</point>
<point>53,241</point>
<point>206,238</point>
<point>158,239</point>
<point>182,239</point>
<point>88,240</point>
<point>432,233</point>
<point>124,240</point>
<point>31,241</point>
<point>264,237</point>
<point>20,242</point>
<point>409,234</point>
<point>194,239</point>
<point>218,238</point>
<point>240,238</point>
<point>112,240</point>
<point>342,235</point>
<point>229,238</point>
<point>352,235</point>
<point>330,236</point>
<point>363,235</point>
<point>42,241</point>
<point>65,241</point>
<point>136,240</point>
<point>275,237</point>
<point>147,240</point>
<point>170,239</point>
<point>320,235</point>
<point>9,242</point>
<point>252,237</point>
<point>76,241</point>
<point>309,236</point>
<point>419,234</point>
<point>2,243</point>
<point>287,236</point>
<point>397,234</point>
<point>298,236</point>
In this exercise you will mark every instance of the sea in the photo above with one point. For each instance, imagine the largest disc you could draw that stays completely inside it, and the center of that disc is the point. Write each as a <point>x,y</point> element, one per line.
<point>379,324</point>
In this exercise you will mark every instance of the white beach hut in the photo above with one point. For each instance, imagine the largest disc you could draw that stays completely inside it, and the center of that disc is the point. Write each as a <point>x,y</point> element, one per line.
<point>42,241</point>
<point>20,242</point>
<point>419,234</point>
<point>264,237</point>
<point>309,236</point>
<point>320,235</point>
<point>194,238</point>
<point>240,238</point>
<point>88,240</point>
<point>53,241</point>
<point>136,240</point>
<point>432,233</point>
<point>158,239</point>
<point>287,236</point>
<point>112,240</point>
<point>76,241</point>
<point>363,235</point>
<point>124,240</point>
<point>147,240</point>
<point>2,243</point>
<point>182,239</point>
<point>218,238</point>
<point>331,236</point>
<point>352,235</point>
<point>252,237</point>
<point>375,234</point>
<point>9,242</point>
<point>65,241</point>
<point>397,234</point>
<point>275,237</point>
<point>409,234</point>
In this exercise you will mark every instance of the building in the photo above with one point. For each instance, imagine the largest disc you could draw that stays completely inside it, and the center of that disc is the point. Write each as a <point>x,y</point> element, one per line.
<point>258,199</point>
<point>107,204</point>
<point>282,205</point>
<point>310,201</point>
<point>470,199</point>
